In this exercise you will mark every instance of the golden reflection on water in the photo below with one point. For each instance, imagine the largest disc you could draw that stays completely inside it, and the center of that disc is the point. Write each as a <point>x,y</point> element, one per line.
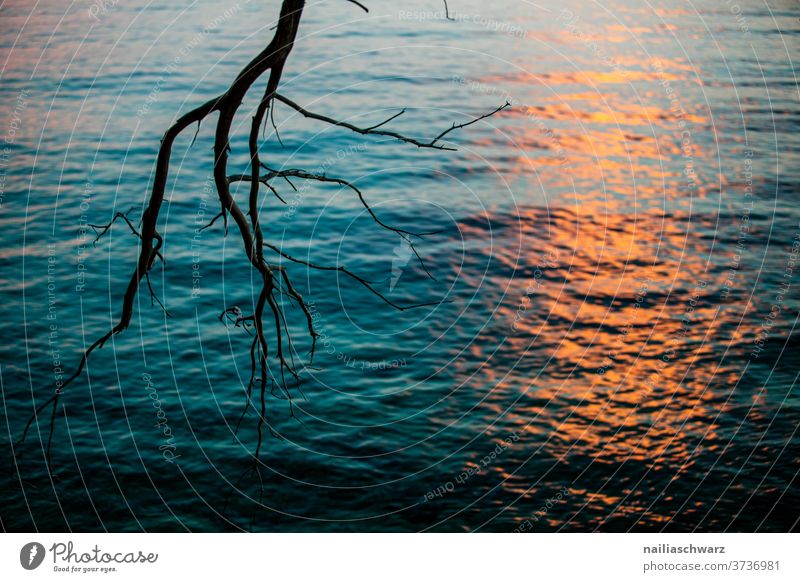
<point>624,319</point>
<point>625,325</point>
<point>628,133</point>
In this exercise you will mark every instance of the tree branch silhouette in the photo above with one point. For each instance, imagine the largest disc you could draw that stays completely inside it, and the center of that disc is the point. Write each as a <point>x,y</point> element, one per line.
<point>273,274</point>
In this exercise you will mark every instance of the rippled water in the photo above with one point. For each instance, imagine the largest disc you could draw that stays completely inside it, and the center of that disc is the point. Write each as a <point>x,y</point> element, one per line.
<point>618,252</point>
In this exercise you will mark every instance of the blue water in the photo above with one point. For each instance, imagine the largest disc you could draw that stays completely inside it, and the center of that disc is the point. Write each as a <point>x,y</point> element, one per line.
<point>617,259</point>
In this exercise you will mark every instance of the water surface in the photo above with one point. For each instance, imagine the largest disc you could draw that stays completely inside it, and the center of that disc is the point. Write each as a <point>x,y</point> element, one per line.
<point>616,254</point>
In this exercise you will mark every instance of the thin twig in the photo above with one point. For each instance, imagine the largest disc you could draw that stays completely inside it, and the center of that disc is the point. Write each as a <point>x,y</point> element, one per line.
<point>393,134</point>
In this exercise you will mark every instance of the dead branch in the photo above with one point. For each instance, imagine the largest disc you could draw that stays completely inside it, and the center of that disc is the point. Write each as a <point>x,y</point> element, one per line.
<point>373,131</point>
<point>274,277</point>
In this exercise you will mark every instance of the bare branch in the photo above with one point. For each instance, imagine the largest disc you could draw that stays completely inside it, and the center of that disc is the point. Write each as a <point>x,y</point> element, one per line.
<point>372,131</point>
<point>353,276</point>
<point>154,297</point>
<point>210,224</point>
<point>275,278</point>
<point>447,12</point>
<point>476,120</point>
<point>323,178</point>
<point>101,230</point>
<point>382,123</point>
<point>359,4</point>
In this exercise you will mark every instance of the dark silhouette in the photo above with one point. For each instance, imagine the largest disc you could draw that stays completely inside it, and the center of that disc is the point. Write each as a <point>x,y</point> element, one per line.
<point>273,277</point>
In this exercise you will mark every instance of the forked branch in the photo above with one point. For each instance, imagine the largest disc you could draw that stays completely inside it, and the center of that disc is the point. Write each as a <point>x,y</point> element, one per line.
<point>273,275</point>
